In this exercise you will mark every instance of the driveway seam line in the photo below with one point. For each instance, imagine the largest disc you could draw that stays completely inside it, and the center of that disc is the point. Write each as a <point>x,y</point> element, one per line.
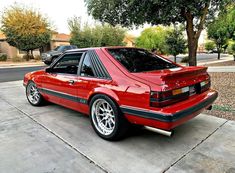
<point>60,138</point>
<point>188,152</point>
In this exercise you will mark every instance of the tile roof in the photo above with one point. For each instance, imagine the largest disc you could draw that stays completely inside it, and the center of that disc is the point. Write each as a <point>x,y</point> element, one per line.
<point>60,37</point>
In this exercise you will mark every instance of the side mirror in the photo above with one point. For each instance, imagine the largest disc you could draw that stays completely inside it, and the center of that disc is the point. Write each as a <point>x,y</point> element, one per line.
<point>48,70</point>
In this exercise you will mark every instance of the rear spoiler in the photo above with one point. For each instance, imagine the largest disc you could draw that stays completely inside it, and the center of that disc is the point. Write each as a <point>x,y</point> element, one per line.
<point>185,72</point>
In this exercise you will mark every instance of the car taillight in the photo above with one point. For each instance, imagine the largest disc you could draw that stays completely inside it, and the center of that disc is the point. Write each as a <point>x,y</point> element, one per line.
<point>205,85</point>
<point>160,99</point>
<point>164,98</point>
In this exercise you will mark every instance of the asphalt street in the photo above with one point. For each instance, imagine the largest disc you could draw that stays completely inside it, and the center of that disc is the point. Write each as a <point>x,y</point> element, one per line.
<point>201,57</point>
<point>16,73</point>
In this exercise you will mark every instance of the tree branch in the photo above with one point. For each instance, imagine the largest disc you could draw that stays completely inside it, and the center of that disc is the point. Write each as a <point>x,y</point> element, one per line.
<point>202,20</point>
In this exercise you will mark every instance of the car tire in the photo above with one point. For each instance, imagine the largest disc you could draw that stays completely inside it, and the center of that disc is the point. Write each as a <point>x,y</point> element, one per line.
<point>33,95</point>
<point>107,119</point>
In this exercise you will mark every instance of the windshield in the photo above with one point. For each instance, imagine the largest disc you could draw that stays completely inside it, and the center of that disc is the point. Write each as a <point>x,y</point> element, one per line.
<point>139,60</point>
<point>59,48</point>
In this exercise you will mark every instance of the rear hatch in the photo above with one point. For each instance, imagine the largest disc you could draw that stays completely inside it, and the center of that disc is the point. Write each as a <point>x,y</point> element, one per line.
<point>174,78</point>
<point>172,85</point>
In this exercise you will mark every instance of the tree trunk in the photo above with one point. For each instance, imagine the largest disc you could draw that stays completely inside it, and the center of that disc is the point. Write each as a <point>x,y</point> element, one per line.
<point>192,48</point>
<point>32,53</point>
<point>192,41</point>
<point>175,58</point>
<point>219,51</point>
<point>218,54</point>
<point>27,55</point>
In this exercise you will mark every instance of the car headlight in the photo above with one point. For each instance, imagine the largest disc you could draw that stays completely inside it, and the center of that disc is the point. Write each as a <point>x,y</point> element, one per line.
<point>48,55</point>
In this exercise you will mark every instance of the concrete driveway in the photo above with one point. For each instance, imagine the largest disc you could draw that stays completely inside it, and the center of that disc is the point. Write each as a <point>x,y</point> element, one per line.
<point>56,139</point>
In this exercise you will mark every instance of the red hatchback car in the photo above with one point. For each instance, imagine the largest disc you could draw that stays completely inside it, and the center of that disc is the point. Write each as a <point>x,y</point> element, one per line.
<point>119,86</point>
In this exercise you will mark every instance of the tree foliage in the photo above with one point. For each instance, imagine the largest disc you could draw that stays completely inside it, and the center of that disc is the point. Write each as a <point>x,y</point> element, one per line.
<point>175,41</point>
<point>135,12</point>
<point>25,28</point>
<point>222,28</point>
<point>99,35</point>
<point>209,45</point>
<point>153,38</point>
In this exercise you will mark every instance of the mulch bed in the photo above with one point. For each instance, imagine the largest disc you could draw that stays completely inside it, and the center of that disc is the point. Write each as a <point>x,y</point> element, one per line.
<point>224,106</point>
<point>226,63</point>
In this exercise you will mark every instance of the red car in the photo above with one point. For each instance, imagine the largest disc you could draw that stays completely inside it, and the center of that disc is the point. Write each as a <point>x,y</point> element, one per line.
<point>119,86</point>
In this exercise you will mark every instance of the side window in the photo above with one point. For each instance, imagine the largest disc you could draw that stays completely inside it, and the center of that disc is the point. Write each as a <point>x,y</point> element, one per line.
<point>67,47</point>
<point>87,69</point>
<point>68,64</point>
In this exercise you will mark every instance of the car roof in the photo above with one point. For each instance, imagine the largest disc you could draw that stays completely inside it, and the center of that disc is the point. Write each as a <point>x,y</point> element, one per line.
<point>95,48</point>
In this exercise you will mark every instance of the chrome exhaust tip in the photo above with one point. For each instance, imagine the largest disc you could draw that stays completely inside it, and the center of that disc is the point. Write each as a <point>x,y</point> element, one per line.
<point>160,131</point>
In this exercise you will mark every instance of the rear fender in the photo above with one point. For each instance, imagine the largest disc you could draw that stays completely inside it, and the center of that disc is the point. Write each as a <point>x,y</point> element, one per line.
<point>105,91</point>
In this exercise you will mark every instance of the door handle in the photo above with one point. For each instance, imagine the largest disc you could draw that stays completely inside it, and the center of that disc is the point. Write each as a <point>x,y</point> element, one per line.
<point>71,82</point>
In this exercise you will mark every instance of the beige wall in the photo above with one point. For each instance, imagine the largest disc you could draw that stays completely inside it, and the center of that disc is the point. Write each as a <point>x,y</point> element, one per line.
<point>7,49</point>
<point>12,51</point>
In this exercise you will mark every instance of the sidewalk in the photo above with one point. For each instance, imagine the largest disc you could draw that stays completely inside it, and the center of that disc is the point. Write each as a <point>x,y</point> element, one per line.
<point>226,69</point>
<point>223,59</point>
<point>20,64</point>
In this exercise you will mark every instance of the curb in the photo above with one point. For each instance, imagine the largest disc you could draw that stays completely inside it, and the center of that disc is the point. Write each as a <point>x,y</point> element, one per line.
<point>3,66</point>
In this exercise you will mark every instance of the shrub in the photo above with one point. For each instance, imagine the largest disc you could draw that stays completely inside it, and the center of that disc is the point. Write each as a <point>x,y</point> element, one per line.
<point>17,59</point>
<point>185,59</point>
<point>3,57</point>
<point>28,57</point>
<point>37,57</point>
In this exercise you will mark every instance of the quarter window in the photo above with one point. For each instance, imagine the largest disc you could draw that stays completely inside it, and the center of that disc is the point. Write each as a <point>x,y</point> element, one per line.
<point>87,69</point>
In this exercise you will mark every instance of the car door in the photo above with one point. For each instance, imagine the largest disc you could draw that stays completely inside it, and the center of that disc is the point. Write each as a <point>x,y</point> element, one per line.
<point>61,81</point>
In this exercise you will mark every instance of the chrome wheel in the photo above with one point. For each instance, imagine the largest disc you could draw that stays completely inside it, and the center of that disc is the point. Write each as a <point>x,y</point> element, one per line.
<point>32,94</point>
<point>103,116</point>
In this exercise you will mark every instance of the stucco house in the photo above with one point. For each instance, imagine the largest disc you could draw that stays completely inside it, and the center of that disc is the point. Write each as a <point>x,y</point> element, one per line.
<point>57,39</point>
<point>129,40</point>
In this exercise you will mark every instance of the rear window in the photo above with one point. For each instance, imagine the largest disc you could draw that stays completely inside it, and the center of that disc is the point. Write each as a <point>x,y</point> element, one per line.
<point>139,60</point>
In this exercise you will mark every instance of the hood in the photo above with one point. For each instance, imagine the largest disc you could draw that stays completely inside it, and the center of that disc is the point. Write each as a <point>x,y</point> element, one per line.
<point>53,52</point>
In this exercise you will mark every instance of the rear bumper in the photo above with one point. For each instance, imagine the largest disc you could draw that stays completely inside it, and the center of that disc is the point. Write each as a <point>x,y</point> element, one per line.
<point>171,116</point>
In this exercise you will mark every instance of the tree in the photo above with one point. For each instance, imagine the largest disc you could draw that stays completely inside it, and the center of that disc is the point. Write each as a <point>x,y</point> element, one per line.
<point>175,42</point>
<point>209,45</point>
<point>136,12</point>
<point>99,35</point>
<point>233,50</point>
<point>153,38</point>
<point>222,28</point>
<point>25,29</point>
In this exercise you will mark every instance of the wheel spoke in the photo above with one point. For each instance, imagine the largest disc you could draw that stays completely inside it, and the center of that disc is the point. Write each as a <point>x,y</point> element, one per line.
<point>111,119</point>
<point>109,124</point>
<point>102,109</point>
